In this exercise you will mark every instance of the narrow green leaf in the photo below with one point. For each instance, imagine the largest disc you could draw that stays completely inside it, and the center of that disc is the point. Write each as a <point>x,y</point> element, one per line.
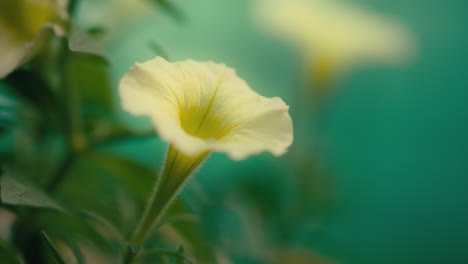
<point>171,9</point>
<point>50,245</point>
<point>17,191</point>
<point>80,259</point>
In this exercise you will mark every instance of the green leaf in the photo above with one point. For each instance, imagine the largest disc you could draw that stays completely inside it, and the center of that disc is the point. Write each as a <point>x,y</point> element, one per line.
<point>97,218</point>
<point>136,177</point>
<point>8,254</point>
<point>50,245</point>
<point>70,229</point>
<point>88,79</point>
<point>112,176</point>
<point>177,218</point>
<point>116,134</point>
<point>17,191</point>
<point>80,259</point>
<point>171,9</point>
<point>189,231</point>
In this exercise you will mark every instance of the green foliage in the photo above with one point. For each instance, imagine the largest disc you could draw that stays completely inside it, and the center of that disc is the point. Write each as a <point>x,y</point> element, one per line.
<point>17,191</point>
<point>9,254</point>
<point>57,117</point>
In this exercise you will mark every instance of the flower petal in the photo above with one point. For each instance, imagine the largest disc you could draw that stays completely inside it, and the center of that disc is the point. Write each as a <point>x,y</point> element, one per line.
<point>204,106</point>
<point>11,52</point>
<point>24,28</point>
<point>339,30</point>
<point>267,130</point>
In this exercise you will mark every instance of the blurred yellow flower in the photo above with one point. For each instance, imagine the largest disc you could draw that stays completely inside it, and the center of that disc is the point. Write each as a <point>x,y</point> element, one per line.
<point>333,34</point>
<point>24,27</point>
<point>200,107</point>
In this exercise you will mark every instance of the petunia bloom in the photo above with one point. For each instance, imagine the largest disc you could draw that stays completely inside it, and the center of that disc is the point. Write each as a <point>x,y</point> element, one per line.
<point>204,106</point>
<point>198,108</point>
<point>334,35</point>
<point>24,27</point>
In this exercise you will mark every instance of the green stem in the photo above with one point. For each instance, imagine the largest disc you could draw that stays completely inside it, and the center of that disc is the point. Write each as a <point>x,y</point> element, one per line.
<point>176,171</point>
<point>72,6</point>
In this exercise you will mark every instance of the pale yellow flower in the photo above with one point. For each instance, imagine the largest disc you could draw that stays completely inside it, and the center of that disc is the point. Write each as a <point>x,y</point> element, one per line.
<point>198,108</point>
<point>24,27</point>
<point>335,34</point>
<point>204,106</point>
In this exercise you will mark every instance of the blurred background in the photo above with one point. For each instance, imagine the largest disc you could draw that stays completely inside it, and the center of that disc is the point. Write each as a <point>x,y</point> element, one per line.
<point>378,172</point>
<point>386,181</point>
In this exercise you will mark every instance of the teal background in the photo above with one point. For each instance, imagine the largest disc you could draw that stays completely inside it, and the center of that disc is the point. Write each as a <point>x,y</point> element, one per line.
<point>393,140</point>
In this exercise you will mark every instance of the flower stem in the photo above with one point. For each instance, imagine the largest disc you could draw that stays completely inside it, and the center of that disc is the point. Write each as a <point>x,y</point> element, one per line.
<point>176,171</point>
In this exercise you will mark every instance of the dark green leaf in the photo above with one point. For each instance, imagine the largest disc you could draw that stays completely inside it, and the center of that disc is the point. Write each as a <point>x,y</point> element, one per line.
<point>50,245</point>
<point>17,191</point>
<point>33,90</point>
